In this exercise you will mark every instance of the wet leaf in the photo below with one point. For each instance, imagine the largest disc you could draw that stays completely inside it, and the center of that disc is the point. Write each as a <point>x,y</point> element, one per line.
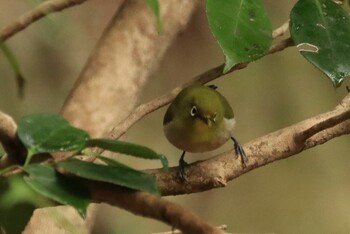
<point>242,29</point>
<point>321,31</point>
<point>42,133</point>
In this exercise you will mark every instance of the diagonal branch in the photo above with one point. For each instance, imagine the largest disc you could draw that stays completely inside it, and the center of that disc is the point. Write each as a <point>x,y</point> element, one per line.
<point>37,13</point>
<point>218,171</point>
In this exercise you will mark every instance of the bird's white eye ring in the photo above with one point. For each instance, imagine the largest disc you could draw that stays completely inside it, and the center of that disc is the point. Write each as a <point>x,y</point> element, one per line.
<point>193,111</point>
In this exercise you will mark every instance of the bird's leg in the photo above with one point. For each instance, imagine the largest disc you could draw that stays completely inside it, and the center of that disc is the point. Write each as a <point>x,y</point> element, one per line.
<point>182,165</point>
<point>240,152</point>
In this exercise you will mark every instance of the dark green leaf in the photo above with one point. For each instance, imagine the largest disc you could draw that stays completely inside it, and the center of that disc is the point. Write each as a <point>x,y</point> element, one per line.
<point>242,29</point>
<point>15,67</point>
<point>128,148</point>
<point>154,5</point>
<point>119,175</point>
<point>46,181</point>
<point>42,133</point>
<point>321,31</point>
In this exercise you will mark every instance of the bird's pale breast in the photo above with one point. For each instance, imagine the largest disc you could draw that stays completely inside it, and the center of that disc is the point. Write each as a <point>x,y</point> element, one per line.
<point>199,138</point>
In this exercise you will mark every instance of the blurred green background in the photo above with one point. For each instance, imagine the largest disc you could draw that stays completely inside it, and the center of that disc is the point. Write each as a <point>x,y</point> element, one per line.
<point>307,193</point>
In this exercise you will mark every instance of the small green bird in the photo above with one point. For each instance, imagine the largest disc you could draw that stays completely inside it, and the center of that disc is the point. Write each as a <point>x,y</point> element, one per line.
<point>200,119</point>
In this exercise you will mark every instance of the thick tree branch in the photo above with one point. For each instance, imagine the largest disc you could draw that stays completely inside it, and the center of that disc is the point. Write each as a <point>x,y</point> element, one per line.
<point>37,13</point>
<point>124,58</point>
<point>219,170</point>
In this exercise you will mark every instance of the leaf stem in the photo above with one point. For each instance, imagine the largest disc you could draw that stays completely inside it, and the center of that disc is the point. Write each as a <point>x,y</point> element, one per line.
<point>29,157</point>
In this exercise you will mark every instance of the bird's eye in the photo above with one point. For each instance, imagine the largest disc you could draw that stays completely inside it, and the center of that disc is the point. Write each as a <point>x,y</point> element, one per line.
<point>193,111</point>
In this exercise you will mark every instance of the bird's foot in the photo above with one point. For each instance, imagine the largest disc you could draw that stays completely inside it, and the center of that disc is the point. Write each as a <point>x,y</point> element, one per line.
<point>240,152</point>
<point>182,167</point>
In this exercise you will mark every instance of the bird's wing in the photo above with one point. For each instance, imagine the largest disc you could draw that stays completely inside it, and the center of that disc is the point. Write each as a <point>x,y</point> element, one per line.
<point>169,115</point>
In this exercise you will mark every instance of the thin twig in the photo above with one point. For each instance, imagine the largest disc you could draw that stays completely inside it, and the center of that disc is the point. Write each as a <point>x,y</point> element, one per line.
<point>314,129</point>
<point>280,31</point>
<point>37,13</point>
<point>203,78</point>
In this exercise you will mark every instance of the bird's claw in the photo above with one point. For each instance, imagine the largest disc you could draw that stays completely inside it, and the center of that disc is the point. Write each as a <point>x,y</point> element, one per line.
<point>240,152</point>
<point>182,167</point>
<point>182,173</point>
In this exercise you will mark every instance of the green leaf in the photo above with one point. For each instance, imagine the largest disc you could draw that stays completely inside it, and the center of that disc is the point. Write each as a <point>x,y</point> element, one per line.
<point>46,181</point>
<point>242,29</point>
<point>15,67</point>
<point>42,133</point>
<point>154,5</point>
<point>321,31</point>
<point>129,149</point>
<point>119,175</point>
